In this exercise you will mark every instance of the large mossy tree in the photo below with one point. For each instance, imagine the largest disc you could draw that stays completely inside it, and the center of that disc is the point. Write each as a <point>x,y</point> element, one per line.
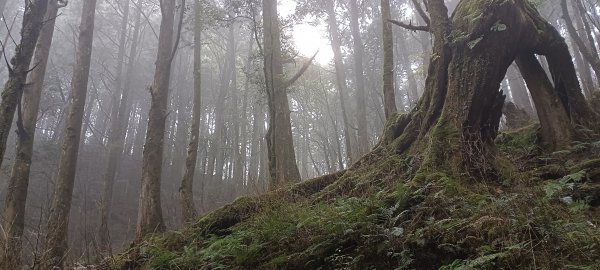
<point>454,125</point>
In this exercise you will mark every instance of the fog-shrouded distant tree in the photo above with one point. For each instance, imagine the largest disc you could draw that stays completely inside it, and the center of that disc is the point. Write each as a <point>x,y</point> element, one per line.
<point>56,246</point>
<point>116,134</point>
<point>150,219</point>
<point>186,191</point>
<point>580,30</point>
<point>360,95</point>
<point>328,8</point>
<point>340,72</point>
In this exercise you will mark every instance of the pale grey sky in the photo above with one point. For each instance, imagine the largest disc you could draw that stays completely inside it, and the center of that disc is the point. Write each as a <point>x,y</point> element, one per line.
<point>308,38</point>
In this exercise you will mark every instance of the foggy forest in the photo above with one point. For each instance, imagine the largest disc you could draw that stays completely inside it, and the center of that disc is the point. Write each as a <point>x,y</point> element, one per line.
<point>299,134</point>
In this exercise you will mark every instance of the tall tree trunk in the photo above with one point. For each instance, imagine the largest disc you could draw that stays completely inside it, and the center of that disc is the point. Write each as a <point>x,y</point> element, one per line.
<point>33,17</point>
<point>583,27</point>
<point>219,139</point>
<point>338,153</point>
<point>126,102</point>
<point>589,53</point>
<point>87,121</point>
<point>584,72</point>
<point>280,143</point>
<point>234,137</point>
<point>256,141</point>
<point>389,97</point>
<point>140,133</point>
<point>99,126</point>
<point>263,171</point>
<point>241,164</point>
<point>188,210</point>
<point>554,120</point>
<point>13,215</point>
<point>361,106</point>
<point>58,129</point>
<point>58,222</point>
<point>340,75</point>
<point>150,218</point>
<point>115,139</point>
<point>181,132</point>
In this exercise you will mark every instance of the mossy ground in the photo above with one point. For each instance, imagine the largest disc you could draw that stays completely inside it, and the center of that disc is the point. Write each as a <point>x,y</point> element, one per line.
<point>385,215</point>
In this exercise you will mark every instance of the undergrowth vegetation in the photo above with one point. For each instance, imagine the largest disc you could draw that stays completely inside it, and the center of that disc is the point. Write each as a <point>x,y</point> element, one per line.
<point>544,215</point>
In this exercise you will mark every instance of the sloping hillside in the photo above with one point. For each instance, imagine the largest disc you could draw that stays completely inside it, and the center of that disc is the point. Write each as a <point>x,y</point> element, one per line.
<point>384,214</point>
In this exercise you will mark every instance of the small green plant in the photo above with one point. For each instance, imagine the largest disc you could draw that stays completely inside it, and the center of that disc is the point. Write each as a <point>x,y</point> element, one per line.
<point>568,182</point>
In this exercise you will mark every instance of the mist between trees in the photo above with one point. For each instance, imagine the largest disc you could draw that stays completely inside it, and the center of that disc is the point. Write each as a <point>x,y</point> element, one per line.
<point>121,118</point>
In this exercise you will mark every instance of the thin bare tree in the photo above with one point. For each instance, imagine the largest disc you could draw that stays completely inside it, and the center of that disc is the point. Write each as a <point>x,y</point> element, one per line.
<point>58,222</point>
<point>150,217</point>
<point>186,193</point>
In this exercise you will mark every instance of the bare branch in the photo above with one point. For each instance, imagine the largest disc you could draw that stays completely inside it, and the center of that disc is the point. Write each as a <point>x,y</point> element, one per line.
<point>139,7</point>
<point>300,72</point>
<point>410,26</point>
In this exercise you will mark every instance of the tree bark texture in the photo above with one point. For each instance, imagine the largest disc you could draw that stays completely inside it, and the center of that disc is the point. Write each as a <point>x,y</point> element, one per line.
<point>456,120</point>
<point>280,144</point>
<point>13,215</point>
<point>150,219</point>
<point>188,210</point>
<point>58,222</point>
<point>389,97</point>
<point>554,120</point>
<point>33,17</point>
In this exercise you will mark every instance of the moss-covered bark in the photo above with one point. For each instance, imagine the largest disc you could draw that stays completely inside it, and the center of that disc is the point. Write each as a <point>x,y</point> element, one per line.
<point>456,121</point>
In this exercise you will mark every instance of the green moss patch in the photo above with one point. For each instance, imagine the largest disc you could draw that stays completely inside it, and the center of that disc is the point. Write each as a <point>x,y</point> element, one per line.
<point>388,213</point>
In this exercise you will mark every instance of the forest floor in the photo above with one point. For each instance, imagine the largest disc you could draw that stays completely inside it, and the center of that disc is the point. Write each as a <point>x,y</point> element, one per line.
<point>384,215</point>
